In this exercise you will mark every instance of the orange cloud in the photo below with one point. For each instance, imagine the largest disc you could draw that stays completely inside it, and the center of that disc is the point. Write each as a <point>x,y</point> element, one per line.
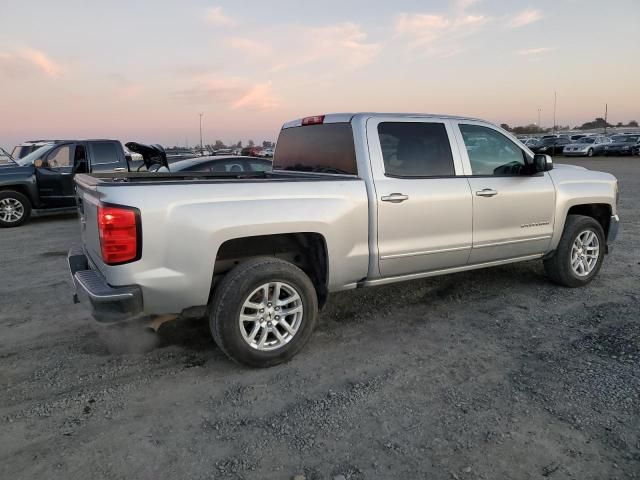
<point>28,59</point>
<point>259,97</point>
<point>525,18</point>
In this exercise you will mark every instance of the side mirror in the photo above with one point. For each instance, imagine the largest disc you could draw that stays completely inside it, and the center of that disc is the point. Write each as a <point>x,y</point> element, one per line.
<point>542,163</point>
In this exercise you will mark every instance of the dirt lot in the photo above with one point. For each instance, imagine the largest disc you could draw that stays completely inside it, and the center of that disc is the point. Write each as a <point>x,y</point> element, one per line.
<point>483,375</point>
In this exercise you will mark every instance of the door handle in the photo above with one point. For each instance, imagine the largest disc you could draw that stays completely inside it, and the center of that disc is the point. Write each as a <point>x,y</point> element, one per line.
<point>487,192</point>
<point>395,198</point>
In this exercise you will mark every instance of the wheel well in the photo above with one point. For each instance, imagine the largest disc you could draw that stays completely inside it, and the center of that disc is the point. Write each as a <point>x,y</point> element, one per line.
<point>308,251</point>
<point>599,211</point>
<point>16,188</point>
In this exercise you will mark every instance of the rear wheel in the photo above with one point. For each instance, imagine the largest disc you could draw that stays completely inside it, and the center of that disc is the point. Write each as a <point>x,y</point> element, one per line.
<point>263,312</point>
<point>580,252</point>
<point>15,208</point>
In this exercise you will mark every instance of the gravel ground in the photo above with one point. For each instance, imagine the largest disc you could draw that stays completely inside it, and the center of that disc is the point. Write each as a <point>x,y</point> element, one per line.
<point>481,375</point>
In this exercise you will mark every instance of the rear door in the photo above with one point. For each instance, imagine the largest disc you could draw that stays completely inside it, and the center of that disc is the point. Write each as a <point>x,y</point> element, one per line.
<point>513,211</point>
<point>424,209</point>
<point>55,177</point>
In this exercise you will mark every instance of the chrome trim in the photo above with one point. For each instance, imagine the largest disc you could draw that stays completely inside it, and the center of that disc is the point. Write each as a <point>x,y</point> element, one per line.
<point>435,273</point>
<point>510,242</point>
<point>427,252</point>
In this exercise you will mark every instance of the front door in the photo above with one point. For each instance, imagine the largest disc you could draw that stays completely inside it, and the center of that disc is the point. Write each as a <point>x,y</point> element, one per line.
<point>423,209</point>
<point>55,177</point>
<point>513,211</point>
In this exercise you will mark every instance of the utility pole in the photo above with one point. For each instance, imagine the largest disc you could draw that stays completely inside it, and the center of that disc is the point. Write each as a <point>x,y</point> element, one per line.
<point>201,149</point>
<point>606,112</point>
<point>539,110</point>
<point>555,99</point>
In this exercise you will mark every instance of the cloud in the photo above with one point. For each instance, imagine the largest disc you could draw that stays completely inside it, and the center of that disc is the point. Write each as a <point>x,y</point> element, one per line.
<point>229,92</point>
<point>252,48</point>
<point>437,32</point>
<point>535,51</point>
<point>525,18</point>
<point>215,16</point>
<point>258,97</point>
<point>344,44</point>
<point>26,61</point>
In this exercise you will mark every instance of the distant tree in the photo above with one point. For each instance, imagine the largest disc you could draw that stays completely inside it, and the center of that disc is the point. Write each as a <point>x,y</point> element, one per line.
<point>267,144</point>
<point>251,143</point>
<point>219,144</point>
<point>527,129</point>
<point>632,123</point>
<point>619,124</point>
<point>239,144</point>
<point>505,127</point>
<point>599,122</point>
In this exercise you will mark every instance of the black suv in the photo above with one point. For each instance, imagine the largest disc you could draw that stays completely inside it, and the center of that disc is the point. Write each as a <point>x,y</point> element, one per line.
<point>551,145</point>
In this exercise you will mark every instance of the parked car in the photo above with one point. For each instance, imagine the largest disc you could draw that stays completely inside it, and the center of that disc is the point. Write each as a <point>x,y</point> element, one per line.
<point>224,151</point>
<point>266,153</point>
<point>229,164</point>
<point>354,200</point>
<point>551,145</point>
<point>587,146</point>
<point>42,182</point>
<point>623,145</point>
<point>530,142</point>
<point>251,151</point>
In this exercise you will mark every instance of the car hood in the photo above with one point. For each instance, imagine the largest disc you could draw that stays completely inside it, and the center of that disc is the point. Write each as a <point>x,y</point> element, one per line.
<point>151,154</point>
<point>567,167</point>
<point>15,169</point>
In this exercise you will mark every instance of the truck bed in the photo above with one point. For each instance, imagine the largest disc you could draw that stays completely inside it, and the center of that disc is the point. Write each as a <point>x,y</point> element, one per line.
<point>152,178</point>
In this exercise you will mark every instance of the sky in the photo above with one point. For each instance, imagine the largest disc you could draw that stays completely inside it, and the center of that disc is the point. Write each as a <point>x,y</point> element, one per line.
<point>144,70</point>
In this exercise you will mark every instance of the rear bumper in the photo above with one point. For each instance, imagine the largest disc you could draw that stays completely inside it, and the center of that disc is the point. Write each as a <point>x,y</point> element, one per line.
<point>108,304</point>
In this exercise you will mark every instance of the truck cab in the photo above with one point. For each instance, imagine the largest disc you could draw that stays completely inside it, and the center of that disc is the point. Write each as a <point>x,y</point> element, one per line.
<point>42,181</point>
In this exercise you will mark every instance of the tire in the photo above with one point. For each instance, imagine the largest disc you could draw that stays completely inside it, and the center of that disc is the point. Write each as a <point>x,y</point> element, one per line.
<point>590,152</point>
<point>13,203</point>
<point>244,284</point>
<point>559,267</point>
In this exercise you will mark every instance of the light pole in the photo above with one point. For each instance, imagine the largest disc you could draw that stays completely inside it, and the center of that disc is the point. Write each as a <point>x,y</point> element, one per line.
<point>539,110</point>
<point>555,99</point>
<point>201,149</point>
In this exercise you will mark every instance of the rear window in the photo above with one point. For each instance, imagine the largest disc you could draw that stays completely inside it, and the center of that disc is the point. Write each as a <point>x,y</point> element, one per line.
<point>325,148</point>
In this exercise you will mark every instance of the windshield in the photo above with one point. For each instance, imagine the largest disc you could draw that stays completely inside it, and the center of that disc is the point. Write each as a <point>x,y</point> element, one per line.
<point>33,156</point>
<point>585,140</point>
<point>625,138</point>
<point>5,158</point>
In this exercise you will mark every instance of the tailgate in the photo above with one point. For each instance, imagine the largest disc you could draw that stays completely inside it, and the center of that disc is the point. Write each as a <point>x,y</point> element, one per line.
<point>88,200</point>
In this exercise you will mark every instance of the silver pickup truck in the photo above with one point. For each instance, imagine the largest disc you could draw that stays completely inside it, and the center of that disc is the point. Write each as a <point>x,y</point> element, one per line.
<point>354,200</point>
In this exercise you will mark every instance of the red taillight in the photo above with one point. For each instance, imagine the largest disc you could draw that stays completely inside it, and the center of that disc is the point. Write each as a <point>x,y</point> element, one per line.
<point>315,120</point>
<point>118,228</point>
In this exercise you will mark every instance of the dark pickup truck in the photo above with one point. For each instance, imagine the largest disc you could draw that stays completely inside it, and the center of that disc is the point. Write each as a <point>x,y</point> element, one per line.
<point>42,182</point>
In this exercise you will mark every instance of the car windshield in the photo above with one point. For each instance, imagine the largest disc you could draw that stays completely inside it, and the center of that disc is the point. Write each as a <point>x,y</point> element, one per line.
<point>549,141</point>
<point>5,158</point>
<point>585,140</point>
<point>33,156</point>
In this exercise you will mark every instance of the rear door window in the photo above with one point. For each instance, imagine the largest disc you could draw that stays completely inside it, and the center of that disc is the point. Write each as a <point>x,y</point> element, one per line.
<point>415,149</point>
<point>325,148</point>
<point>104,153</point>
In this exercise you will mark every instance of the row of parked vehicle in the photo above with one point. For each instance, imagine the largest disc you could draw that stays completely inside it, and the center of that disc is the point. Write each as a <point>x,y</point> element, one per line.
<point>585,144</point>
<point>38,177</point>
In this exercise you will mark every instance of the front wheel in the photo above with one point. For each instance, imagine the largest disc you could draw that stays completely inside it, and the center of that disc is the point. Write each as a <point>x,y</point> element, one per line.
<point>15,209</point>
<point>580,252</point>
<point>263,312</point>
<point>590,152</point>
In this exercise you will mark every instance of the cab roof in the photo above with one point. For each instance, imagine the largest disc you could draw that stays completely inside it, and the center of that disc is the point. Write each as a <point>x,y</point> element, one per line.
<point>348,117</point>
